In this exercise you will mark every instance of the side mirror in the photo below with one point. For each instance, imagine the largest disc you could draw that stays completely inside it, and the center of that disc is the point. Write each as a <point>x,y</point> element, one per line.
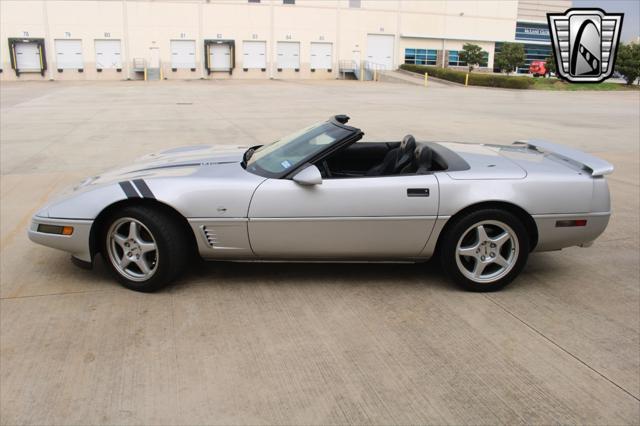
<point>308,176</point>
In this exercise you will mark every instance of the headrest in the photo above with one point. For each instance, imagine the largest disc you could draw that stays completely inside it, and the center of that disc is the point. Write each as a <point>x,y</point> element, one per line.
<point>423,157</point>
<point>408,144</point>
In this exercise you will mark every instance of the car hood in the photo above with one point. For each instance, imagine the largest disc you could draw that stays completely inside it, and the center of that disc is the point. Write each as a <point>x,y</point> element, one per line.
<point>175,175</point>
<point>183,161</point>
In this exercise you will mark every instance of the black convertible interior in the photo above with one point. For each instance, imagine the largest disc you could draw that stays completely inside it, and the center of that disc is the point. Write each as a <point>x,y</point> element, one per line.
<point>384,159</point>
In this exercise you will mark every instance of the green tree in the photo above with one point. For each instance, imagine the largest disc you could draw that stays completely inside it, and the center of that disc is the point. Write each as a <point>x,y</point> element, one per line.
<point>472,54</point>
<point>628,61</point>
<point>550,65</point>
<point>510,57</point>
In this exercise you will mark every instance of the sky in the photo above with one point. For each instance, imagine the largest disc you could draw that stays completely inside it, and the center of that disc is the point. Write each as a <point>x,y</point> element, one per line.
<point>630,8</point>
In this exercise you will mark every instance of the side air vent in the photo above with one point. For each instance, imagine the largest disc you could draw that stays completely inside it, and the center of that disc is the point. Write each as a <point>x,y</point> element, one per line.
<point>210,236</point>
<point>222,237</point>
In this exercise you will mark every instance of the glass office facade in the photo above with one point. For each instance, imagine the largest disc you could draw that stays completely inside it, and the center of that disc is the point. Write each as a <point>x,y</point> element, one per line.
<point>536,40</point>
<point>430,57</point>
<point>420,56</point>
<point>532,52</point>
<point>455,61</point>
<point>533,32</point>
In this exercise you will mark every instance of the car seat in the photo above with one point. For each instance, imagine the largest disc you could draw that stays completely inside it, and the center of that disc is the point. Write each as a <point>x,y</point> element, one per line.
<point>422,161</point>
<point>395,159</point>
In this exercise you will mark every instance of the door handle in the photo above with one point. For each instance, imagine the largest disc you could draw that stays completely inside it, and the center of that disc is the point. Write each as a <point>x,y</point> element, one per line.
<point>417,192</point>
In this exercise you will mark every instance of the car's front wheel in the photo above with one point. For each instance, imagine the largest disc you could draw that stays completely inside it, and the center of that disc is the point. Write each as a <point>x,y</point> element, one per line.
<point>144,249</point>
<point>485,250</point>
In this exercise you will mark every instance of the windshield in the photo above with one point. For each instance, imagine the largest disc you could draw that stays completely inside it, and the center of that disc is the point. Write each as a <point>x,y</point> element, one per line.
<point>289,152</point>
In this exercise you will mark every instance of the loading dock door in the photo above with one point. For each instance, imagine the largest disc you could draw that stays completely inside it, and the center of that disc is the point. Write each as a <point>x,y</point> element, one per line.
<point>220,57</point>
<point>254,54</point>
<point>288,55</point>
<point>183,54</point>
<point>380,50</point>
<point>69,54</point>
<point>27,57</point>
<point>108,54</point>
<point>321,56</point>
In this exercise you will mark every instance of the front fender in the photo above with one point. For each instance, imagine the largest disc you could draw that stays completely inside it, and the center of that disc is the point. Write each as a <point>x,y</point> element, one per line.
<point>84,204</point>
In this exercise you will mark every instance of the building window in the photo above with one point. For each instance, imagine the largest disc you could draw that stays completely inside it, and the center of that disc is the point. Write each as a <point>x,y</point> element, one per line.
<point>454,59</point>
<point>354,4</point>
<point>485,60</point>
<point>420,56</point>
<point>533,32</point>
<point>532,52</point>
<point>288,1</point>
<point>254,1</point>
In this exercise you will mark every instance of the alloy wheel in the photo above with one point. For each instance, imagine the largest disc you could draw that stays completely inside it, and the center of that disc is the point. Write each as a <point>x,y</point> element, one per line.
<point>487,251</point>
<point>132,249</point>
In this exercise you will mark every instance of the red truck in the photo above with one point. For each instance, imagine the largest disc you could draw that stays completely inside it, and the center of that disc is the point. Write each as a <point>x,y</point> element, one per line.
<point>538,68</point>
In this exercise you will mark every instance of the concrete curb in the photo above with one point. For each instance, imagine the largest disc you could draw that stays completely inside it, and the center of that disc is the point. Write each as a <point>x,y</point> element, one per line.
<point>439,80</point>
<point>393,77</point>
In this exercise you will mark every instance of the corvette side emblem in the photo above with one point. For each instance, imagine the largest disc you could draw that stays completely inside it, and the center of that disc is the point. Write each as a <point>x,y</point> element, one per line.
<point>585,42</point>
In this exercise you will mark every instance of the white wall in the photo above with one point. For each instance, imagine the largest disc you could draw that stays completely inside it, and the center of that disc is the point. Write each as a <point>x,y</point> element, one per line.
<point>142,25</point>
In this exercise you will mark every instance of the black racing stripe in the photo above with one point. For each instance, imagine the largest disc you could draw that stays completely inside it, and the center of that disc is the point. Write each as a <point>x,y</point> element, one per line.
<point>128,189</point>
<point>143,188</point>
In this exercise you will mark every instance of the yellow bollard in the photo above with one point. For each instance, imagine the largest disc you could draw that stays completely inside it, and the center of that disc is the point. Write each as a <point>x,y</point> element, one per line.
<point>426,76</point>
<point>466,80</point>
<point>145,73</point>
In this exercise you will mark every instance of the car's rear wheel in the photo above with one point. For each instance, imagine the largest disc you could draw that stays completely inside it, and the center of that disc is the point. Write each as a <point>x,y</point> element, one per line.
<point>144,249</point>
<point>485,250</point>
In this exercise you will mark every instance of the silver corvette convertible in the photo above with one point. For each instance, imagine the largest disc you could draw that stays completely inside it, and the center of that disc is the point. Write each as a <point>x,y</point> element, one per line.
<point>322,195</point>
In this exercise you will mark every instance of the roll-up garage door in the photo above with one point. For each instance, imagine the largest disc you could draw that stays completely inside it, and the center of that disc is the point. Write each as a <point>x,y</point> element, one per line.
<point>183,54</point>
<point>108,54</point>
<point>321,56</point>
<point>220,57</point>
<point>288,54</point>
<point>380,50</point>
<point>254,54</point>
<point>69,54</point>
<point>27,57</point>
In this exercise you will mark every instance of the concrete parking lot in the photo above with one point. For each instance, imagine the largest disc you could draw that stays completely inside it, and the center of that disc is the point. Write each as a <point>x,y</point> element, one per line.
<point>311,343</point>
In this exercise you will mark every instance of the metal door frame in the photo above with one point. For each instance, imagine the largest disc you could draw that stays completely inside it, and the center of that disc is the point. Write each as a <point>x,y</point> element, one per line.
<point>232,49</point>
<point>12,53</point>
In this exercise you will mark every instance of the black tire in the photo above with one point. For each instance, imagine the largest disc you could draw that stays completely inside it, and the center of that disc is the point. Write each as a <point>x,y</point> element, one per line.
<point>166,262</point>
<point>463,232</point>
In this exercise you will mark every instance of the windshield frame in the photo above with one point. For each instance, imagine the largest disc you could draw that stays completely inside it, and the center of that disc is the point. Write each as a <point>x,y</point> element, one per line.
<point>353,134</point>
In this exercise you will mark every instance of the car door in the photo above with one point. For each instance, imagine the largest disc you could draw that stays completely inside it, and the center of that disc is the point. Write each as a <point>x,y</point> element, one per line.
<point>387,217</point>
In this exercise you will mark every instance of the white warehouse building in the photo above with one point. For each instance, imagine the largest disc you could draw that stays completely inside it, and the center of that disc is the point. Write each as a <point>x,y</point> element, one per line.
<point>222,39</point>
